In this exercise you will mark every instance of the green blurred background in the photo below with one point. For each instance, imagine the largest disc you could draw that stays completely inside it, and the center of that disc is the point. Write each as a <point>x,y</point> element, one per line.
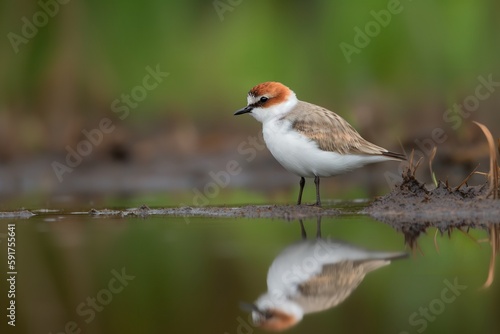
<point>66,76</point>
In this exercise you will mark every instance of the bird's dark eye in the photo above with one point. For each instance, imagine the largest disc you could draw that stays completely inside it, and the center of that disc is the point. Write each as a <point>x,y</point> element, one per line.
<point>263,99</point>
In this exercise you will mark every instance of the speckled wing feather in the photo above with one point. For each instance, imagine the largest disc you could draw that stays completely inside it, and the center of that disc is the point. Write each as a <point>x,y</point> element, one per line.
<point>334,284</point>
<point>331,132</point>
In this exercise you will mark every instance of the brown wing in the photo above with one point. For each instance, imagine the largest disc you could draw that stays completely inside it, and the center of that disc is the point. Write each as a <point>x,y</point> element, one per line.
<point>334,284</point>
<point>331,132</point>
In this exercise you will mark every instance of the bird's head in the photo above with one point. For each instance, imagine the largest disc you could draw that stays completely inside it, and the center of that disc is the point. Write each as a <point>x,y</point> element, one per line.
<point>268,100</point>
<point>274,315</point>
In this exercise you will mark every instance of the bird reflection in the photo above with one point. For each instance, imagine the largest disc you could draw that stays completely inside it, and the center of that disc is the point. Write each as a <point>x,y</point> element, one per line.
<point>312,276</point>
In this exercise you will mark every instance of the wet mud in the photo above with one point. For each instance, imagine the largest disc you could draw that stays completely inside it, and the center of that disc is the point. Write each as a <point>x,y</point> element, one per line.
<point>249,211</point>
<point>16,214</point>
<point>411,206</point>
<point>289,212</point>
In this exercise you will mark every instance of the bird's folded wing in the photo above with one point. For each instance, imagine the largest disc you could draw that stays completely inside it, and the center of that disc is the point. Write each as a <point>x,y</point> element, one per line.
<point>334,284</point>
<point>330,131</point>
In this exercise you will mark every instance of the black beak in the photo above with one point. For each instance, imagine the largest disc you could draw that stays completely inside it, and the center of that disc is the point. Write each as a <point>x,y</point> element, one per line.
<point>247,307</point>
<point>245,110</point>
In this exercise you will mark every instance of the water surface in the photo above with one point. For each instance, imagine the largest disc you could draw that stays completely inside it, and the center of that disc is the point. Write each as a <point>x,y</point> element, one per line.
<point>82,274</point>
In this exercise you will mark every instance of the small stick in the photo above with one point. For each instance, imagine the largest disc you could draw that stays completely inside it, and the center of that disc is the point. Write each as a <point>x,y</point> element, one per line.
<point>494,249</point>
<point>435,241</point>
<point>431,159</point>
<point>467,178</point>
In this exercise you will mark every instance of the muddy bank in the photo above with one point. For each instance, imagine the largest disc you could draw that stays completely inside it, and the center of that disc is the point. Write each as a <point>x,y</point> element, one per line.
<point>16,214</point>
<point>249,211</point>
<point>442,207</point>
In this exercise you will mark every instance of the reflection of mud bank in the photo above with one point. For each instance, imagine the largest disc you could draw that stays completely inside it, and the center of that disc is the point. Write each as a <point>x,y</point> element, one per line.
<point>442,207</point>
<point>250,211</point>
<point>411,209</point>
<point>16,214</point>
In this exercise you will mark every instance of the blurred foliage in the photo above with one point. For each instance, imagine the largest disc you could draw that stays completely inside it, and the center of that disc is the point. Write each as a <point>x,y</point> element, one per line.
<point>66,78</point>
<point>431,49</point>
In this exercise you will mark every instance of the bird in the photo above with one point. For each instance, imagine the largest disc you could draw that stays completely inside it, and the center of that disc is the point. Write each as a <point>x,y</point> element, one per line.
<point>308,140</point>
<point>312,276</point>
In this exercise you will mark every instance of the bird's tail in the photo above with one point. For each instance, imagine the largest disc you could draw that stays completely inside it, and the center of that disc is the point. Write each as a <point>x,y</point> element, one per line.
<point>383,259</point>
<point>388,256</point>
<point>395,156</point>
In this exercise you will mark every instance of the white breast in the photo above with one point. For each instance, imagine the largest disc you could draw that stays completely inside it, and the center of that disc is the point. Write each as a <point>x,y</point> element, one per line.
<point>301,156</point>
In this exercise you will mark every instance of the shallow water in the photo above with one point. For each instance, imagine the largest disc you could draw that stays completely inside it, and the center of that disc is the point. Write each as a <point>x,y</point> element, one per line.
<point>82,274</point>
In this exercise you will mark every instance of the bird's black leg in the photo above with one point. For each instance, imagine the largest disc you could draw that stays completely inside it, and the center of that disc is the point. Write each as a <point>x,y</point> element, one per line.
<point>303,233</point>
<point>301,183</point>
<point>316,182</point>
<point>318,227</point>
